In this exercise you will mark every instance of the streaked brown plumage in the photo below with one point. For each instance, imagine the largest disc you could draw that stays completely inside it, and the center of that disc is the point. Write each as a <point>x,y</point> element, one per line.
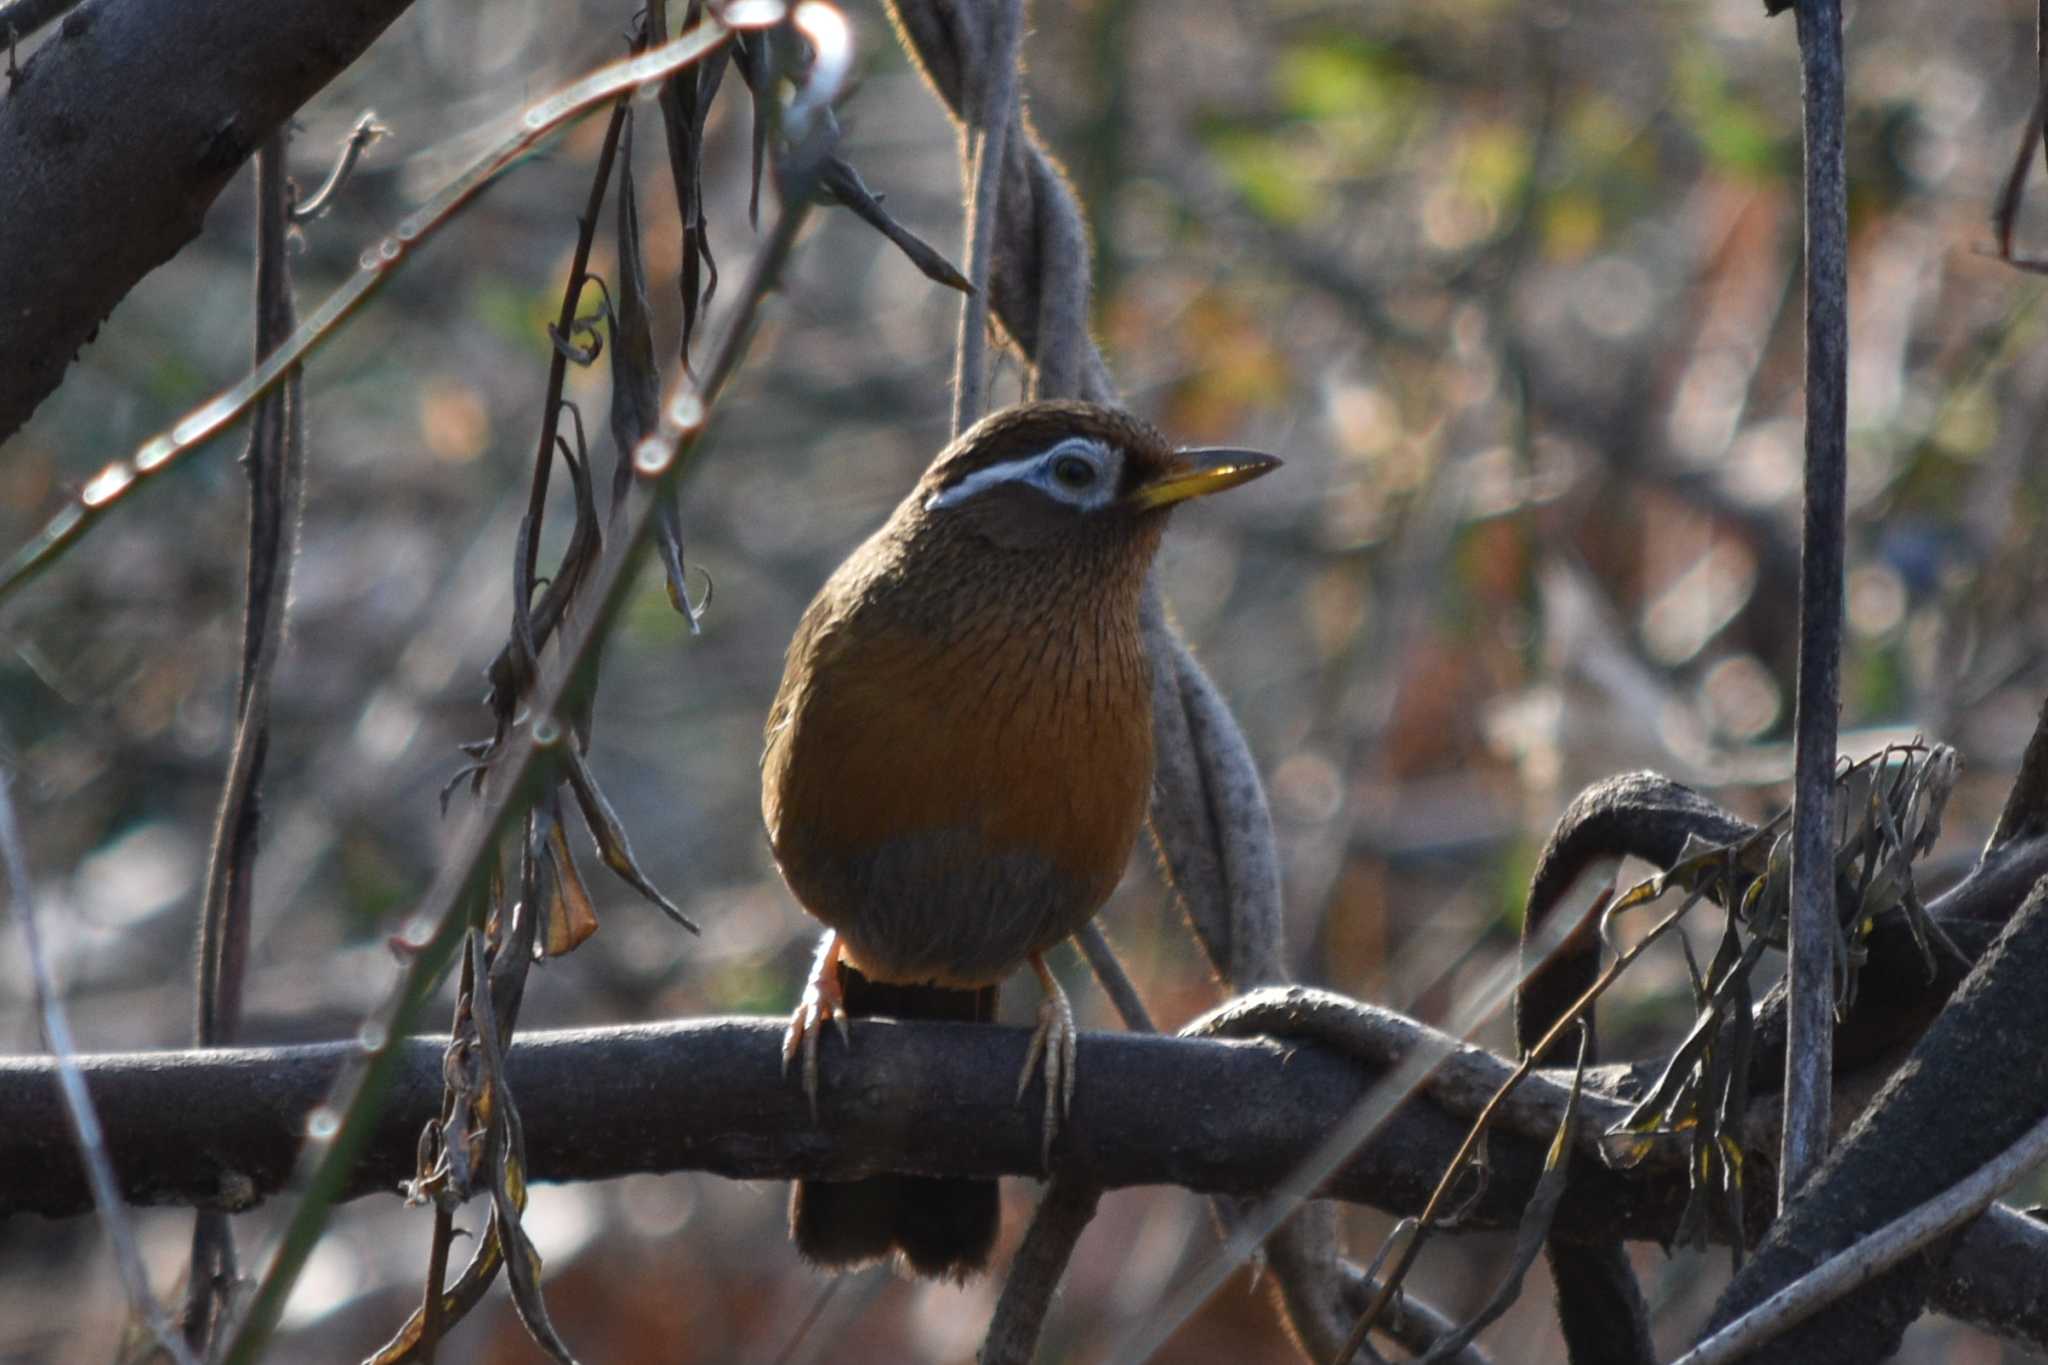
<point>959,759</point>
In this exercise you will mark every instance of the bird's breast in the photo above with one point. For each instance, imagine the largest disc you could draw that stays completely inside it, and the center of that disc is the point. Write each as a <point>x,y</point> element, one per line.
<point>953,803</point>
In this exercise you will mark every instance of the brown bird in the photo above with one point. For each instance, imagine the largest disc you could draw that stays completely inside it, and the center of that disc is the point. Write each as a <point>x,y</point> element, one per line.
<point>959,761</point>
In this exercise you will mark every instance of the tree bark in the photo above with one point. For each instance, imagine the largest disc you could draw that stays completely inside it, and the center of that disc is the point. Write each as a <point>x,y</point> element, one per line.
<point>223,1127</point>
<point>116,136</point>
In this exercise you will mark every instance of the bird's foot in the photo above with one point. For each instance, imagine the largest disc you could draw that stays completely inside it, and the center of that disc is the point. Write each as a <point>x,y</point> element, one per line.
<point>1058,1041</point>
<point>823,999</point>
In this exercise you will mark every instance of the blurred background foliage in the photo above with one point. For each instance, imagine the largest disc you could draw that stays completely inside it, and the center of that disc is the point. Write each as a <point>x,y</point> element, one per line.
<point>1514,289</point>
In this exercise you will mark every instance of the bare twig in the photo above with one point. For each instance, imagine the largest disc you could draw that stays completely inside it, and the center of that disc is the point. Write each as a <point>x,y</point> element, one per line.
<point>809,1323</point>
<point>77,1104</point>
<point>1116,983</point>
<point>1534,1230</point>
<point>366,131</point>
<point>1062,1216</point>
<point>2005,213</point>
<point>1812,969</point>
<point>992,96</point>
<point>274,463</point>
<point>433,1305</point>
<point>524,633</point>
<point>1419,1324</point>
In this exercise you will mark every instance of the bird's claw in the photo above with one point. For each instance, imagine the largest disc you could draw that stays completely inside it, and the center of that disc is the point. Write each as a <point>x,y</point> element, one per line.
<point>1057,1041</point>
<point>822,1001</point>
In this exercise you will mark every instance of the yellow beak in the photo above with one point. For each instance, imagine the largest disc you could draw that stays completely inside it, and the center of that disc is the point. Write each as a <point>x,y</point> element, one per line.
<point>1207,471</point>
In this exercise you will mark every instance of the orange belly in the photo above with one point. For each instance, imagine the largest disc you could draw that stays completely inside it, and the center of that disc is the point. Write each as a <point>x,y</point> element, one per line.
<point>951,808</point>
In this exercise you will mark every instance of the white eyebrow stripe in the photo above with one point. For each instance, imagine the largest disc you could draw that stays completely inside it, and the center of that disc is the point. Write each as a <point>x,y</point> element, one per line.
<point>1013,470</point>
<point>980,479</point>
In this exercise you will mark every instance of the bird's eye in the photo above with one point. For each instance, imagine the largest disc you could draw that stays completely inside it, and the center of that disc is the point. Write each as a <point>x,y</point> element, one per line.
<point>1073,471</point>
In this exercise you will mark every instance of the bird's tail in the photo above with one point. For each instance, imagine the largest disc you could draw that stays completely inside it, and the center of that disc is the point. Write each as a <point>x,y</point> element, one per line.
<point>944,1228</point>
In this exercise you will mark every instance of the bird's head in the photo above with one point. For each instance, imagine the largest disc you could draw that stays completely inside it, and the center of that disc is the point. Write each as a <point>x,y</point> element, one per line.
<point>1048,474</point>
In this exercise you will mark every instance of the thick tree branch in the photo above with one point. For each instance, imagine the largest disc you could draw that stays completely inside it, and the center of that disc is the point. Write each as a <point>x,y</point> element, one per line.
<point>20,19</point>
<point>111,153</point>
<point>223,1127</point>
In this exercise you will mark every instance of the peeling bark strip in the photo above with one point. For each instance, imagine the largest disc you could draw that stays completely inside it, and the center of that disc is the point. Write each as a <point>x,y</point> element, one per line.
<point>96,191</point>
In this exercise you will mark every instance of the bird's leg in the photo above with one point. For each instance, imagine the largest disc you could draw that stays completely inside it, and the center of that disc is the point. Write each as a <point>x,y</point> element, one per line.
<point>1057,1040</point>
<point>823,999</point>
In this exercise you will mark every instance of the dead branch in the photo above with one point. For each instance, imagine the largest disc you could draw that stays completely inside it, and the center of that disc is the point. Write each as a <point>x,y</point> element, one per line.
<point>97,191</point>
<point>223,1127</point>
